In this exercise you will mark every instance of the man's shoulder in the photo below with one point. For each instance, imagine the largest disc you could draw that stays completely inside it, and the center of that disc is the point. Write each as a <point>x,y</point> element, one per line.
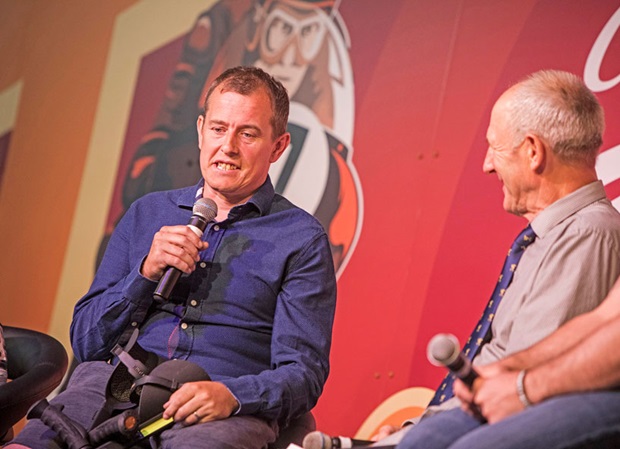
<point>601,216</point>
<point>162,197</point>
<point>155,209</point>
<point>587,209</point>
<point>596,226</point>
<point>281,205</point>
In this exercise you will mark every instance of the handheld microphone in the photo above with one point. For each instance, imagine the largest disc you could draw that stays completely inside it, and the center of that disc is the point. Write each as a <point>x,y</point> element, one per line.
<point>443,350</point>
<point>319,440</point>
<point>204,211</point>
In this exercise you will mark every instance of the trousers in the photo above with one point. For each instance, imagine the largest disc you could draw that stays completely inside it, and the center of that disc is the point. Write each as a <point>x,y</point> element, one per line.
<point>575,421</point>
<point>85,395</point>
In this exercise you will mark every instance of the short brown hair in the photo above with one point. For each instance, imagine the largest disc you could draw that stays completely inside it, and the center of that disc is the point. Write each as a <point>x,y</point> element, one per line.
<point>247,80</point>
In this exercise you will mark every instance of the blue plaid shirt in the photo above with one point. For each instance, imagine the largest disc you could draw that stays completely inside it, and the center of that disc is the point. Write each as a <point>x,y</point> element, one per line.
<point>256,314</point>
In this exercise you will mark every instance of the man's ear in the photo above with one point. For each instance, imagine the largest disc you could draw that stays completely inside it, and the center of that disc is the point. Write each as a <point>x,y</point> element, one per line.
<point>199,123</point>
<point>279,146</point>
<point>537,152</point>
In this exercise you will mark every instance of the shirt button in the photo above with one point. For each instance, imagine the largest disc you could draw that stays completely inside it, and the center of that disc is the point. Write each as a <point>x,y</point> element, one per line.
<point>183,326</point>
<point>203,264</point>
<point>134,324</point>
<point>216,227</point>
<point>193,302</point>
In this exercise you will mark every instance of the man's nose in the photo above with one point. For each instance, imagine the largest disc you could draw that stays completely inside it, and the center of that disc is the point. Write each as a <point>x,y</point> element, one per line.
<point>229,146</point>
<point>487,164</point>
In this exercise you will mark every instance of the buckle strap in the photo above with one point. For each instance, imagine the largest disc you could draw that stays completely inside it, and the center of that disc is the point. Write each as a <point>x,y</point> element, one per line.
<point>170,384</point>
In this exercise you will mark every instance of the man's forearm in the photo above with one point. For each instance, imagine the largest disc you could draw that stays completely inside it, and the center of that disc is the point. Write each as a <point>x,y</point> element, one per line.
<point>555,344</point>
<point>576,333</point>
<point>591,364</point>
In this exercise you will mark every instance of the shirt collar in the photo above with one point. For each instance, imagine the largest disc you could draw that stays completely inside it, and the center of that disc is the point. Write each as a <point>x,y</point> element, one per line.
<point>188,196</point>
<point>567,206</point>
<point>261,200</point>
<point>263,197</point>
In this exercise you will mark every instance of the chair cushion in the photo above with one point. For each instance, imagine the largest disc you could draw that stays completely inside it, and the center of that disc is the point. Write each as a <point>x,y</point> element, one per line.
<point>36,364</point>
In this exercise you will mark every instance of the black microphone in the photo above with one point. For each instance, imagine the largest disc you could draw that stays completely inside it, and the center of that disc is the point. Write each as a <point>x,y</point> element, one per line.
<point>443,350</point>
<point>204,211</point>
<point>319,440</point>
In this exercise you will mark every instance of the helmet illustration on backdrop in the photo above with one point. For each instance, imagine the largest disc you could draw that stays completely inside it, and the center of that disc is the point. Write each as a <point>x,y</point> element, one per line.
<point>304,45</point>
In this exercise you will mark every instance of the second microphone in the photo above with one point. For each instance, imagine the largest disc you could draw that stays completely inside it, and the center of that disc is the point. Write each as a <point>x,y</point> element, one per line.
<point>443,350</point>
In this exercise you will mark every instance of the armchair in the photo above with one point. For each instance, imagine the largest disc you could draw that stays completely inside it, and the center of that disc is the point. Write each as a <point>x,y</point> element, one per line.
<point>36,364</point>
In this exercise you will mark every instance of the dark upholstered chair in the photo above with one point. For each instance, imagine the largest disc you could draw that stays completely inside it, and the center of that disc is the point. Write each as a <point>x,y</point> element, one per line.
<point>295,432</point>
<point>36,364</point>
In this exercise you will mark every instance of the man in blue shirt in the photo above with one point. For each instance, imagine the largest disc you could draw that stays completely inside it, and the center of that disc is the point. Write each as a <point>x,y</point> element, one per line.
<point>254,307</point>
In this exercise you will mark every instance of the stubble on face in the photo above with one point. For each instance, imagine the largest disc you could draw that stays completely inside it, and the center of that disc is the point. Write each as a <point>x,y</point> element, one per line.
<point>237,145</point>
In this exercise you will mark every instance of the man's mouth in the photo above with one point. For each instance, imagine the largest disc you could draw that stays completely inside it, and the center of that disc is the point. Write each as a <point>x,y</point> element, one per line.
<point>226,167</point>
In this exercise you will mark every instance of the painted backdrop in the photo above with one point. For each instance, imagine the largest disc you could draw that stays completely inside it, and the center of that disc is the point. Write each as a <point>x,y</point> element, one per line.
<point>390,103</point>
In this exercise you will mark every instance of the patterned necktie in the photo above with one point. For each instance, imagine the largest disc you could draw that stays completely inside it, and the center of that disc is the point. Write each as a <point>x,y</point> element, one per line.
<point>482,333</point>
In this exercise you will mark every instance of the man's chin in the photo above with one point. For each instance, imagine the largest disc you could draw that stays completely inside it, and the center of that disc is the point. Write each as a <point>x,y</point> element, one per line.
<point>221,188</point>
<point>514,210</point>
<point>510,207</point>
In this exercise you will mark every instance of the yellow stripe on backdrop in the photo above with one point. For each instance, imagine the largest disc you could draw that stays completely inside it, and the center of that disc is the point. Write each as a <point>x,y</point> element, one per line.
<point>139,30</point>
<point>9,103</point>
<point>57,51</point>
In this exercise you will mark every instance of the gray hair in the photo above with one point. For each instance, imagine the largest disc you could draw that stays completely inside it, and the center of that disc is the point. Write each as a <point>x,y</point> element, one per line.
<point>559,108</point>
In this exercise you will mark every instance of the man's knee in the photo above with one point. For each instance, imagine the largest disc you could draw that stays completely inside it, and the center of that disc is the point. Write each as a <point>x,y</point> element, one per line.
<point>237,432</point>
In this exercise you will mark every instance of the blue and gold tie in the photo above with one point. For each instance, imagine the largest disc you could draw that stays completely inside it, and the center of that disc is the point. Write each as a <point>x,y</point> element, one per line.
<point>482,333</point>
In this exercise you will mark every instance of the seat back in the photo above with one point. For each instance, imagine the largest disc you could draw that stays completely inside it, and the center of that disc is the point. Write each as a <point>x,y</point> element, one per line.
<point>36,365</point>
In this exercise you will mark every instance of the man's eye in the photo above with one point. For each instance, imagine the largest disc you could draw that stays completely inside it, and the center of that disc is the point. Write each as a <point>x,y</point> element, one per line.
<point>217,129</point>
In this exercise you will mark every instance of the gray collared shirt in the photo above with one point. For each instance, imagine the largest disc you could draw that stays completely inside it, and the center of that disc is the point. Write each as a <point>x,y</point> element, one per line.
<point>567,271</point>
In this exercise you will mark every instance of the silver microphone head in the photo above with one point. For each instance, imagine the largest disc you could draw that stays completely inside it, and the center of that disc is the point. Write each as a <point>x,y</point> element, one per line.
<point>317,440</point>
<point>205,208</point>
<point>443,349</point>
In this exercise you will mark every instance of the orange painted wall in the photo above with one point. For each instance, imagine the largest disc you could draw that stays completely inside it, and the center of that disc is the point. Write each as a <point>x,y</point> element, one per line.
<point>58,51</point>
